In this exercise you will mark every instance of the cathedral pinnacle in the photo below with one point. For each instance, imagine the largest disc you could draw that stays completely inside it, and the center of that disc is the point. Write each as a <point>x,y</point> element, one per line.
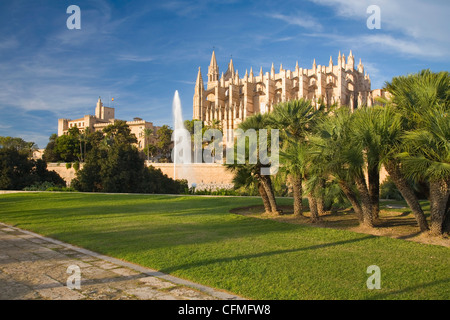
<point>213,60</point>
<point>199,82</point>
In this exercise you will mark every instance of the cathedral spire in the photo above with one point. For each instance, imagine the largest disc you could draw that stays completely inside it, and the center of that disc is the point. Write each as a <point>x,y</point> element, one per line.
<point>199,82</point>
<point>213,69</point>
<point>272,72</point>
<point>360,66</point>
<point>213,60</point>
<point>350,61</point>
<point>231,67</point>
<point>331,61</point>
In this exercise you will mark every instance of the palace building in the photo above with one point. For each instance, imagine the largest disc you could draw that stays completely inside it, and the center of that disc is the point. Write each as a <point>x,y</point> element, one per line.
<point>105,116</point>
<point>229,99</point>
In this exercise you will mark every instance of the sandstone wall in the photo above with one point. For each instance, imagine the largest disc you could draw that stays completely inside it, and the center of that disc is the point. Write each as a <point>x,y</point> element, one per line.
<point>204,175</point>
<point>60,168</point>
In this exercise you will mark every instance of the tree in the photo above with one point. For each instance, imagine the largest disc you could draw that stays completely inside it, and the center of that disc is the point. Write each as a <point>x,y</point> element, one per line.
<point>147,135</point>
<point>253,170</point>
<point>50,154</point>
<point>423,100</point>
<point>119,133</point>
<point>18,144</point>
<point>67,147</point>
<point>428,156</point>
<point>294,119</point>
<point>389,130</point>
<point>119,168</point>
<point>343,160</point>
<point>150,150</point>
<point>17,171</point>
<point>364,131</point>
<point>164,143</point>
<point>294,161</point>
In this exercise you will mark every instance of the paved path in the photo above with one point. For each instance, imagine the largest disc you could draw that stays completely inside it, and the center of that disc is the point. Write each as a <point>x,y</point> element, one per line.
<point>35,267</point>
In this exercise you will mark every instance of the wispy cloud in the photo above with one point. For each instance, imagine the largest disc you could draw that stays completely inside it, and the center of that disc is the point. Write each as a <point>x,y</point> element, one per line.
<point>134,58</point>
<point>411,27</point>
<point>300,19</point>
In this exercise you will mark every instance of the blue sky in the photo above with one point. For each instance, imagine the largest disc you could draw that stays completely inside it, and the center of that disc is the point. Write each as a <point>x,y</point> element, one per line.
<point>141,51</point>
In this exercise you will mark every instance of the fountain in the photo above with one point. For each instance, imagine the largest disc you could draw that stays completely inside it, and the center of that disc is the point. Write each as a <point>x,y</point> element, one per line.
<point>181,153</point>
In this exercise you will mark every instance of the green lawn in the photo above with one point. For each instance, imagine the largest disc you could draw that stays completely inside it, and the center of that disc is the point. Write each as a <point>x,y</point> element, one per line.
<point>196,238</point>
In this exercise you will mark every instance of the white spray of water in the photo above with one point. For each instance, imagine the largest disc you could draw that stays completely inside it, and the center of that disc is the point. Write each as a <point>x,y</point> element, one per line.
<point>181,154</point>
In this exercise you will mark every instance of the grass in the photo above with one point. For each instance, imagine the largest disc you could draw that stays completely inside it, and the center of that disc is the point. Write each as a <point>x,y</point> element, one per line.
<point>196,238</point>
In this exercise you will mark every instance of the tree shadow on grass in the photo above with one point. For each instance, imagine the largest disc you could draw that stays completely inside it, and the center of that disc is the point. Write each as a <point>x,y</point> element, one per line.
<point>420,286</point>
<point>261,254</point>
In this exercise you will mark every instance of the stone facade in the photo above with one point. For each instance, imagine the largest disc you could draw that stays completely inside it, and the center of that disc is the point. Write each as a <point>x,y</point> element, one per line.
<point>230,99</point>
<point>104,116</point>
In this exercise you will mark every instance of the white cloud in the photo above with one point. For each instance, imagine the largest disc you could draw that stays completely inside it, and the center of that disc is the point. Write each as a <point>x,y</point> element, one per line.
<point>135,58</point>
<point>415,27</point>
<point>299,19</point>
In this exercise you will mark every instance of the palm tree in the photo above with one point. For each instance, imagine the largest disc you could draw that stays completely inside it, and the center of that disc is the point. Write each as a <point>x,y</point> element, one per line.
<point>244,177</point>
<point>389,129</point>
<point>256,122</point>
<point>423,99</point>
<point>294,119</point>
<point>294,160</point>
<point>147,134</point>
<point>415,94</point>
<point>334,149</point>
<point>428,156</point>
<point>364,131</point>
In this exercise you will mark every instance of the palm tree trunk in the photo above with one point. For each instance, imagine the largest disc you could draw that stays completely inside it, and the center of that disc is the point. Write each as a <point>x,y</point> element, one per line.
<point>320,198</point>
<point>313,208</point>
<point>374,190</point>
<point>439,194</point>
<point>267,184</point>
<point>297,191</point>
<point>265,199</point>
<point>351,196</point>
<point>366,204</point>
<point>408,194</point>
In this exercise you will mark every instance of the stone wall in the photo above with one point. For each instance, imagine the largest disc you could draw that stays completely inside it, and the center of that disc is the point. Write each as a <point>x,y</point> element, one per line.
<point>204,175</point>
<point>60,168</point>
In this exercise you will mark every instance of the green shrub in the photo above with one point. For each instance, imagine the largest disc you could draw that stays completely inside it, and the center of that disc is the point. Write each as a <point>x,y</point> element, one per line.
<point>40,186</point>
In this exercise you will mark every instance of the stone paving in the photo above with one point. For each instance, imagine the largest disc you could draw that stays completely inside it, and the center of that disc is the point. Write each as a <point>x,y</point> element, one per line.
<point>33,267</point>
